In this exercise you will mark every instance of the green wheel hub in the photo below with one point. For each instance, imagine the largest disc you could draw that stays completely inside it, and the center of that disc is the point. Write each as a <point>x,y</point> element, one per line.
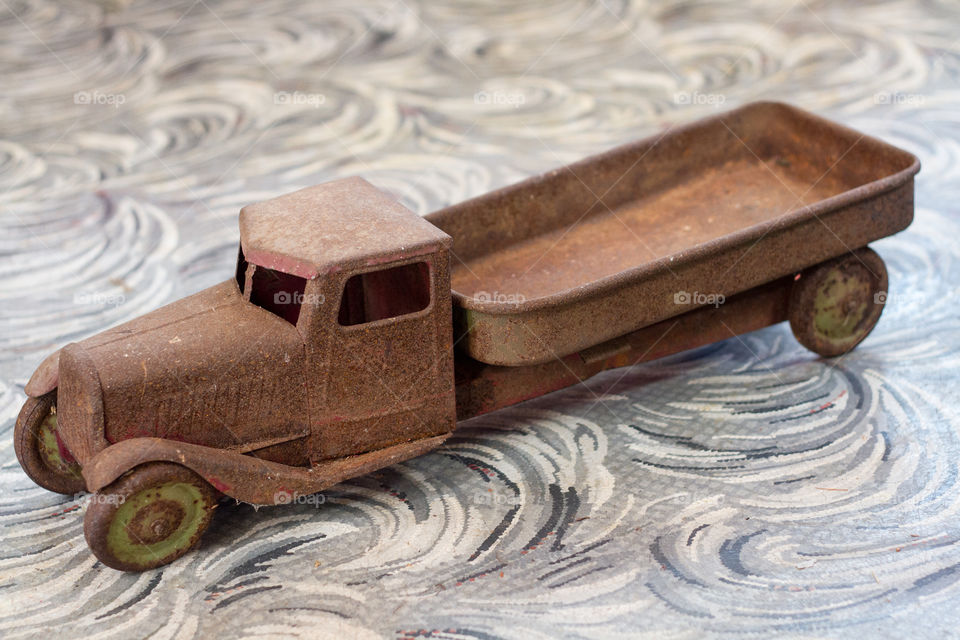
<point>50,448</point>
<point>157,522</point>
<point>842,304</point>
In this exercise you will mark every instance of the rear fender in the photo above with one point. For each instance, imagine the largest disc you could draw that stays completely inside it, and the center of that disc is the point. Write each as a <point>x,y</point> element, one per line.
<point>245,477</point>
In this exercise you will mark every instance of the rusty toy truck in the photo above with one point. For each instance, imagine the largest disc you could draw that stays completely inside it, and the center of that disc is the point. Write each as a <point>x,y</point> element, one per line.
<point>356,334</point>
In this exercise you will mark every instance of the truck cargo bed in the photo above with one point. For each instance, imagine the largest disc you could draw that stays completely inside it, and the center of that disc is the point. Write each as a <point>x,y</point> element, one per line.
<point>643,232</point>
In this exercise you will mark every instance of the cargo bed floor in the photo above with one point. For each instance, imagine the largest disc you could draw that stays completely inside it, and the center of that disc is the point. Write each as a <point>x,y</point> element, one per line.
<point>717,202</point>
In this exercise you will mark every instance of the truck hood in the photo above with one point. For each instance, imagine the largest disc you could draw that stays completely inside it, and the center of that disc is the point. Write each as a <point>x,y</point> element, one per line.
<point>210,369</point>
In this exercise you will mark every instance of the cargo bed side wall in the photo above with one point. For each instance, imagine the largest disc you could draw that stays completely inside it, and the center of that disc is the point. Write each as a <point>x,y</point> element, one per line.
<point>821,152</point>
<point>565,196</point>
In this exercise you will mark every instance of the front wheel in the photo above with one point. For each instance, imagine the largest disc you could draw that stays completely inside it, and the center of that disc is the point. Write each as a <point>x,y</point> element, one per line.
<point>41,453</point>
<point>149,517</point>
<point>835,304</point>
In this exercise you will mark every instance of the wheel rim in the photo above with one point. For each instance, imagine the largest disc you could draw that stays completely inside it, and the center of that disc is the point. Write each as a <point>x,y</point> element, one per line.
<point>53,453</point>
<point>156,523</point>
<point>835,305</point>
<point>842,305</point>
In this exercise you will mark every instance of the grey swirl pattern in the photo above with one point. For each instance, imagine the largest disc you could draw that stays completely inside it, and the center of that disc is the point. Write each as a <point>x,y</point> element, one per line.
<point>745,488</point>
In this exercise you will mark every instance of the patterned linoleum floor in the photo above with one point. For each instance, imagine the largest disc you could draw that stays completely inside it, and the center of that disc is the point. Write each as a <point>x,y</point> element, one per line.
<point>649,502</point>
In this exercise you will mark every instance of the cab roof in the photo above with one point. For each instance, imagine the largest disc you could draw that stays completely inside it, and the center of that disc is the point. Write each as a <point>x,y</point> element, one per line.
<point>335,225</point>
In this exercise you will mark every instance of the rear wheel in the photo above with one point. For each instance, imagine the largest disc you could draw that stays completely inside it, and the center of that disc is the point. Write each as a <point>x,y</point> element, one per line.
<point>39,449</point>
<point>834,305</point>
<point>149,517</point>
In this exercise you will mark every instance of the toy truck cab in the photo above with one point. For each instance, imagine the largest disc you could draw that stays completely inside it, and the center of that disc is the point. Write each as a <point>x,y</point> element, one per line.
<point>329,354</point>
<point>366,283</point>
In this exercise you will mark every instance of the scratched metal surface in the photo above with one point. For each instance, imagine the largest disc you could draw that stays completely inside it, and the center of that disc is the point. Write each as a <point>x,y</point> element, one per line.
<point>746,487</point>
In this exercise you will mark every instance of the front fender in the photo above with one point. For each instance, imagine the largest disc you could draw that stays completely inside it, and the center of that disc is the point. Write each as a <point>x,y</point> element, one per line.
<point>45,378</point>
<point>245,477</point>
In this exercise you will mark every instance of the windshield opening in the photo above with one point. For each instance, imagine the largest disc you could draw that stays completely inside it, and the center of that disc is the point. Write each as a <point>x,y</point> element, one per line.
<point>278,292</point>
<point>241,274</point>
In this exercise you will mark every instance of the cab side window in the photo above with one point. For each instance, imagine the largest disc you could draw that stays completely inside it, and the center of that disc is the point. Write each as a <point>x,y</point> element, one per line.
<point>388,293</point>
